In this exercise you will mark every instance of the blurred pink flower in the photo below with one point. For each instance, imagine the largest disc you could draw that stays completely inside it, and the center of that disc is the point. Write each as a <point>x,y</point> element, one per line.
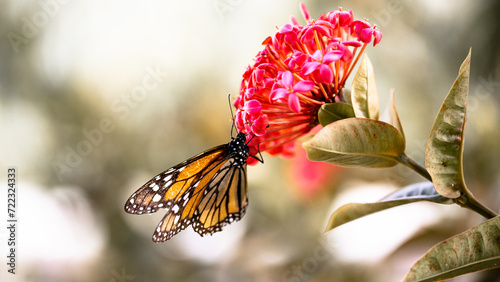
<point>308,178</point>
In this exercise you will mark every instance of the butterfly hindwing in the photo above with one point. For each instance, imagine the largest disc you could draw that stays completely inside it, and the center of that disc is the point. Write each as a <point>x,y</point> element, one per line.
<point>225,200</point>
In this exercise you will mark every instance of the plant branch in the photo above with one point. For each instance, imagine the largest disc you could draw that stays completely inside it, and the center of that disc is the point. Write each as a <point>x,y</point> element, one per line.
<point>467,200</point>
<point>410,163</point>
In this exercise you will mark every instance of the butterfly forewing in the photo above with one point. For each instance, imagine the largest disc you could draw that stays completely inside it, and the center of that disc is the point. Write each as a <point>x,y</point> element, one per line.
<point>167,187</point>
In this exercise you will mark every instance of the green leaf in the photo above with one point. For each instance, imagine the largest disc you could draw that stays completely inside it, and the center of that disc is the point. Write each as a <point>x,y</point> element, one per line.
<point>356,142</point>
<point>443,155</point>
<point>345,96</point>
<point>364,93</point>
<point>391,115</point>
<point>423,191</point>
<point>332,112</point>
<point>475,249</point>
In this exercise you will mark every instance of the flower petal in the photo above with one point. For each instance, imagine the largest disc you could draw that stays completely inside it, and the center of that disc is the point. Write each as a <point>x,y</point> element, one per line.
<point>352,43</point>
<point>252,107</point>
<point>307,35</point>
<point>358,25</point>
<point>305,12</point>
<point>286,28</point>
<point>309,67</point>
<point>347,55</point>
<point>291,38</point>
<point>287,79</point>
<point>378,36</point>
<point>303,86</point>
<point>345,18</point>
<point>293,102</point>
<point>332,56</point>
<point>239,120</point>
<point>325,74</point>
<point>249,93</point>
<point>323,31</point>
<point>259,125</point>
<point>317,56</point>
<point>366,35</point>
<point>278,93</point>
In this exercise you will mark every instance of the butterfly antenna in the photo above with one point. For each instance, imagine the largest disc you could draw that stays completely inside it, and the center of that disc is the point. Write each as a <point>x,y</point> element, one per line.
<point>232,115</point>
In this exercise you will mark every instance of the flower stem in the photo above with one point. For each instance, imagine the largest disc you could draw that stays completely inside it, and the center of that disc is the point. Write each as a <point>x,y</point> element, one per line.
<point>409,162</point>
<point>467,200</point>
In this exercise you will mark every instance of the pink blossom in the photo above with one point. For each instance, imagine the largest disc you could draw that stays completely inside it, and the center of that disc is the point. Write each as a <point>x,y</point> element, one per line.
<point>300,68</point>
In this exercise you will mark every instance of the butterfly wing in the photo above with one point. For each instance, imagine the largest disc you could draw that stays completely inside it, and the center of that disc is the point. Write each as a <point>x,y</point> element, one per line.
<point>172,189</point>
<point>225,199</point>
<point>217,199</point>
<point>207,191</point>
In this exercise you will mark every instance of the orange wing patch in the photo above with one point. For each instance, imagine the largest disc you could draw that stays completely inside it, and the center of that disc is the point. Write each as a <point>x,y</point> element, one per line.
<point>199,190</point>
<point>191,173</point>
<point>235,203</point>
<point>199,165</point>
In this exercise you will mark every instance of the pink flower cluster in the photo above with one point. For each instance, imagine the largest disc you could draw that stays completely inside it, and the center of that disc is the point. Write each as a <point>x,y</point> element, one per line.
<point>300,68</point>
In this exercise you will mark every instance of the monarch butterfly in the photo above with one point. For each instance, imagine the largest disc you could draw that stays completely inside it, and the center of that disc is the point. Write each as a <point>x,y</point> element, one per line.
<point>207,191</point>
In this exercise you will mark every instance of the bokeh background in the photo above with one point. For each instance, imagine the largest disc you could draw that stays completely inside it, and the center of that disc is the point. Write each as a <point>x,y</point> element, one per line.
<point>97,97</point>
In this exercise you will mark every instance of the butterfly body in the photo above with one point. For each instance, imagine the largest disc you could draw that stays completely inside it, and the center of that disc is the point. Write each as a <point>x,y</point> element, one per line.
<point>207,191</point>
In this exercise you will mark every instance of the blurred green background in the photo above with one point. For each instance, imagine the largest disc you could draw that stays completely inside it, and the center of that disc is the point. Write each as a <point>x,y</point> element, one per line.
<point>97,97</point>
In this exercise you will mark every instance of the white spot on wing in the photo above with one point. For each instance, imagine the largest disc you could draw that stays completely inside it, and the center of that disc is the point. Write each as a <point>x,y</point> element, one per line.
<point>175,208</point>
<point>156,198</point>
